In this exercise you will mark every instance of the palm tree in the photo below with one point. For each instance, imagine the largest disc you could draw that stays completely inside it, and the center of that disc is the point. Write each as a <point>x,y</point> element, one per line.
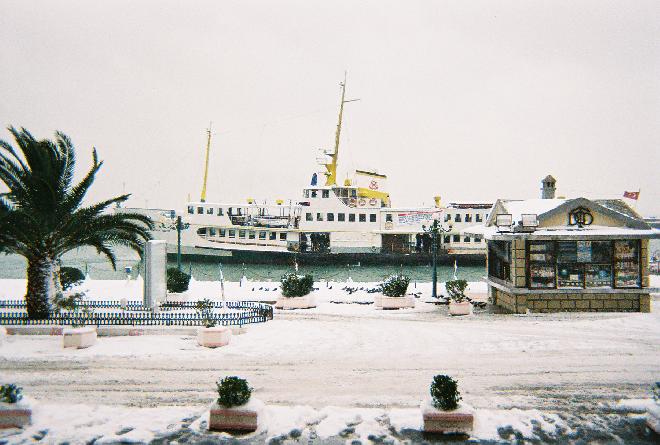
<point>42,217</point>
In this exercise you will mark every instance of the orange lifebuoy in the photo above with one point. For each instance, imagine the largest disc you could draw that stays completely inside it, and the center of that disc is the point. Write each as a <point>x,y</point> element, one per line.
<point>363,202</point>
<point>373,202</point>
<point>352,202</point>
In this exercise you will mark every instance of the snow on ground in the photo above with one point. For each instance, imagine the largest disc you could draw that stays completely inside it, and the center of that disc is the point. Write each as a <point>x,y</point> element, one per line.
<point>347,372</point>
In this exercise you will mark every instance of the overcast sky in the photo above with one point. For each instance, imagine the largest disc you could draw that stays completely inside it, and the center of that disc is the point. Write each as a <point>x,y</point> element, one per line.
<point>468,100</point>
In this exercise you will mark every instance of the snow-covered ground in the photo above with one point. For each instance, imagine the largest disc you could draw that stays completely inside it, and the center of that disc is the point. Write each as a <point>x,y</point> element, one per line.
<point>347,372</point>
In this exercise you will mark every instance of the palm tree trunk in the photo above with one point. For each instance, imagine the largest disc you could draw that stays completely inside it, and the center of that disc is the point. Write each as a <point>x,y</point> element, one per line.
<point>40,287</point>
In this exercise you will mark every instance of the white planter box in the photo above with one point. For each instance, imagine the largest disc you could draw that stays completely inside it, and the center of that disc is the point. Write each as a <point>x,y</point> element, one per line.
<point>459,420</point>
<point>213,337</point>
<point>243,418</point>
<point>464,308</point>
<point>383,302</point>
<point>305,302</point>
<point>79,337</point>
<point>177,297</point>
<point>14,415</point>
<point>653,418</point>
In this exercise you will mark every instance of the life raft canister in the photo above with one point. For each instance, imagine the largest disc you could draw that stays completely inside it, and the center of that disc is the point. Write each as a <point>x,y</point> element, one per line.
<point>373,202</point>
<point>363,202</point>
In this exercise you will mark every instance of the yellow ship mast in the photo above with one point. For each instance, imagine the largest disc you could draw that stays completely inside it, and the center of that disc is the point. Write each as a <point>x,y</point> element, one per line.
<point>331,174</point>
<point>206,162</point>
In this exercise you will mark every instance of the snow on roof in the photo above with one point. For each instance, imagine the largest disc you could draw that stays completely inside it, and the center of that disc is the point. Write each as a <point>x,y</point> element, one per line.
<point>530,206</point>
<point>562,231</point>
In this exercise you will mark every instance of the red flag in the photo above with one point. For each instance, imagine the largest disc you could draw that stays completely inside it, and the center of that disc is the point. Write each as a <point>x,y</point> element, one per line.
<point>631,195</point>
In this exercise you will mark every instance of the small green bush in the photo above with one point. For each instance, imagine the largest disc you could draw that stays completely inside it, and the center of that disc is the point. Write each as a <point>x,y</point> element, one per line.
<point>444,392</point>
<point>205,309</point>
<point>10,393</point>
<point>177,281</point>
<point>395,286</point>
<point>70,276</point>
<point>294,285</point>
<point>456,290</point>
<point>233,391</point>
<point>73,303</point>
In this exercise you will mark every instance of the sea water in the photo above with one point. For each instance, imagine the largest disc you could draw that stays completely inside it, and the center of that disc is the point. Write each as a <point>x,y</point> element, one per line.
<point>98,267</point>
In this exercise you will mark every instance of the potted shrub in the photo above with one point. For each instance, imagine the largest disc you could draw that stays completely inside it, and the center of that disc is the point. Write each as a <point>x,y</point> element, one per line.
<point>295,290</point>
<point>393,293</point>
<point>234,410</point>
<point>78,335</point>
<point>653,411</point>
<point>14,413</point>
<point>210,335</point>
<point>177,284</point>
<point>443,413</point>
<point>458,301</point>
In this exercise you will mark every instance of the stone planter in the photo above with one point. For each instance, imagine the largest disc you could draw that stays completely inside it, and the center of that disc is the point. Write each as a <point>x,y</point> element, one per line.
<point>79,337</point>
<point>14,415</point>
<point>305,302</point>
<point>653,418</point>
<point>242,418</point>
<point>214,337</point>
<point>464,308</point>
<point>457,421</point>
<point>177,297</point>
<point>383,302</point>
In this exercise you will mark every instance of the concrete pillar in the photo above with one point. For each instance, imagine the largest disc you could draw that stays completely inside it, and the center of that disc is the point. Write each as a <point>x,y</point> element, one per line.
<point>155,272</point>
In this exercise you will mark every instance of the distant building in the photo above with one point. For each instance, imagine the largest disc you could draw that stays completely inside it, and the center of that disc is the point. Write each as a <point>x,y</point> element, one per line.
<point>458,216</point>
<point>548,187</point>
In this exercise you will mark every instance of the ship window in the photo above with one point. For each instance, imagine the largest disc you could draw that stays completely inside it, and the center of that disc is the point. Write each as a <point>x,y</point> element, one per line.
<point>319,216</point>
<point>272,236</point>
<point>353,193</point>
<point>191,210</point>
<point>457,218</point>
<point>388,217</point>
<point>200,210</point>
<point>220,211</point>
<point>341,217</point>
<point>202,231</point>
<point>351,217</point>
<point>325,193</point>
<point>313,193</point>
<point>232,233</point>
<point>262,235</point>
<point>447,239</point>
<point>306,194</point>
<point>223,232</point>
<point>478,217</point>
<point>331,216</point>
<point>240,211</point>
<point>468,217</point>
<point>447,217</point>
<point>230,211</point>
<point>251,234</point>
<point>372,217</point>
<point>477,239</point>
<point>209,211</point>
<point>344,193</point>
<point>457,238</point>
<point>363,217</point>
<point>309,217</point>
<point>282,236</point>
<point>212,231</point>
<point>241,233</point>
<point>466,239</point>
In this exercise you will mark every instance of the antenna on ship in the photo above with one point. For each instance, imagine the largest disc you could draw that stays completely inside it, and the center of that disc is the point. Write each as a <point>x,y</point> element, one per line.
<point>206,162</point>
<point>331,174</point>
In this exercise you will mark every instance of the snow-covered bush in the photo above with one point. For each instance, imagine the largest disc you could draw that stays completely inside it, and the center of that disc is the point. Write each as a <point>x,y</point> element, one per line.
<point>456,290</point>
<point>444,392</point>
<point>70,276</point>
<point>74,305</point>
<point>177,281</point>
<point>205,310</point>
<point>233,391</point>
<point>395,286</point>
<point>294,285</point>
<point>10,393</point>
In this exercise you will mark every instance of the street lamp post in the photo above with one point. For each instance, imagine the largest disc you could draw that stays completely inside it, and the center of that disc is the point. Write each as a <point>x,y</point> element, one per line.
<point>435,230</point>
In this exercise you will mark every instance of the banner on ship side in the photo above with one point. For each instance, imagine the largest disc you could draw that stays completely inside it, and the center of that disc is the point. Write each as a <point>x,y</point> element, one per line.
<point>416,217</point>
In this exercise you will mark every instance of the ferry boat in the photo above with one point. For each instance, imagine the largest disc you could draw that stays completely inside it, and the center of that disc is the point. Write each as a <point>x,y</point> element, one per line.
<point>347,223</point>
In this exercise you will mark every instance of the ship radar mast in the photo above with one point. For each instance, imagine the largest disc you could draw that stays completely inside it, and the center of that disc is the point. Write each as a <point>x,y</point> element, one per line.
<point>331,167</point>
<point>206,162</point>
